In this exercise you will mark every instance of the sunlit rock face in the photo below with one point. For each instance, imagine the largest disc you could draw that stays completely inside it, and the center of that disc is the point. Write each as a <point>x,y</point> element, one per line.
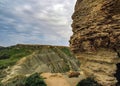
<point>96,38</point>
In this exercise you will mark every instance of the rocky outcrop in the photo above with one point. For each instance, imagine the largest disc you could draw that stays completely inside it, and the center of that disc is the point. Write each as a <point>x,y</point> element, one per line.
<point>49,59</point>
<point>96,38</point>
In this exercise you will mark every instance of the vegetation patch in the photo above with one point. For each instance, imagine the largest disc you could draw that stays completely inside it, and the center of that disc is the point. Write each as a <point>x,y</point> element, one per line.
<point>9,56</point>
<point>33,80</point>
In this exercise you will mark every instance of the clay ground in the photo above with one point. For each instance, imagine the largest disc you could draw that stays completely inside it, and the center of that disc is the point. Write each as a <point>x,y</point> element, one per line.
<point>58,79</point>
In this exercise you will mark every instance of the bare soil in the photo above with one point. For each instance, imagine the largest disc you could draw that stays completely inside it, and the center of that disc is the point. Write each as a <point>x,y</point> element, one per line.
<point>58,79</point>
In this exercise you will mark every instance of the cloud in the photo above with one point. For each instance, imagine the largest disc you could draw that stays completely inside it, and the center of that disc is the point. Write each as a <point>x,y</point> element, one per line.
<point>35,21</point>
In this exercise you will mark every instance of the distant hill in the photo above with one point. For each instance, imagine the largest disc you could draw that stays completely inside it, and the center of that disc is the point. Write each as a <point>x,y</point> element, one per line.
<point>1,47</point>
<point>27,59</point>
<point>10,55</point>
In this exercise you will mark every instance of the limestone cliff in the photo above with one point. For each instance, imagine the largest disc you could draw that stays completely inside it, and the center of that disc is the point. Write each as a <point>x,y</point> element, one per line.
<point>96,38</point>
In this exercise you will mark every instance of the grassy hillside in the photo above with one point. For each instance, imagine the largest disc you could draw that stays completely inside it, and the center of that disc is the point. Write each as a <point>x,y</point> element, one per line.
<point>10,55</point>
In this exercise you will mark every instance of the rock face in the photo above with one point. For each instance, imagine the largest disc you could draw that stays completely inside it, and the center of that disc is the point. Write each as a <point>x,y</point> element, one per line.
<point>96,38</point>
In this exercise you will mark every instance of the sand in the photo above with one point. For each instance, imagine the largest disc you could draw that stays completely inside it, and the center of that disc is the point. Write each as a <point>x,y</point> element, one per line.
<point>57,79</point>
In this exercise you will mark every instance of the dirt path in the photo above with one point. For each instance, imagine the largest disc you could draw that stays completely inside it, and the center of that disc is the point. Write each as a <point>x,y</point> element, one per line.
<point>74,81</point>
<point>58,79</point>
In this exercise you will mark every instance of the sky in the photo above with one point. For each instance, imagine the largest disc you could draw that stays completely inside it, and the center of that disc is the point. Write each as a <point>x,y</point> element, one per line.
<point>45,22</point>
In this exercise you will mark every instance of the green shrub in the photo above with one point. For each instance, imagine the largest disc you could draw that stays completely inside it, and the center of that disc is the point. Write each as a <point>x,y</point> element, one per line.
<point>4,56</point>
<point>88,82</point>
<point>1,84</point>
<point>66,50</point>
<point>35,80</point>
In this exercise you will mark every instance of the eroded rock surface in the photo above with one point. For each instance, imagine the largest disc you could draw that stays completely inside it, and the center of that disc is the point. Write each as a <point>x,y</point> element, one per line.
<point>96,38</point>
<point>49,59</point>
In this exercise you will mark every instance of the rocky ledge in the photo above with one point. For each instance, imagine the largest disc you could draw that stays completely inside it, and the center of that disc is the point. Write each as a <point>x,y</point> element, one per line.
<point>96,39</point>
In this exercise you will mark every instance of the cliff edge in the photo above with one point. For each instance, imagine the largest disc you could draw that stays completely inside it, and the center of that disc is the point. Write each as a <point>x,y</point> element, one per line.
<point>96,39</point>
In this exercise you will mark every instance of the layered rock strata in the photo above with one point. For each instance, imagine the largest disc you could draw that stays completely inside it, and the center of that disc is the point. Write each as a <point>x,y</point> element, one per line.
<point>96,38</point>
<point>49,59</point>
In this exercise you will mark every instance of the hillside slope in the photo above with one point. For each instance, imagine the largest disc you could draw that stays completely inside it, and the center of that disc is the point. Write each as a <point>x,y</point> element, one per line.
<point>1,47</point>
<point>28,59</point>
